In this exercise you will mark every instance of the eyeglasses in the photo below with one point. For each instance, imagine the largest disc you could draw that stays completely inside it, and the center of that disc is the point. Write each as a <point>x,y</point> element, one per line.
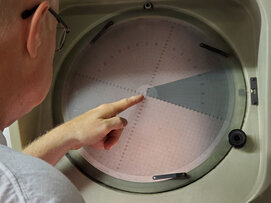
<point>62,27</point>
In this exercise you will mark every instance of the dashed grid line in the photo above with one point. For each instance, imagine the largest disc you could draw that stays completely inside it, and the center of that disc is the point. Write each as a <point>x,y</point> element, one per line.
<point>109,83</point>
<point>138,114</point>
<point>157,66</point>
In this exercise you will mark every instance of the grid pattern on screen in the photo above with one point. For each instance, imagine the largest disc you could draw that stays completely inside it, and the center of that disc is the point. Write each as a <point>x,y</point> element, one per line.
<point>161,137</point>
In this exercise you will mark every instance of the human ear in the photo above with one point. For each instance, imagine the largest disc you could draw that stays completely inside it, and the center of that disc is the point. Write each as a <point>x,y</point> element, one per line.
<point>34,36</point>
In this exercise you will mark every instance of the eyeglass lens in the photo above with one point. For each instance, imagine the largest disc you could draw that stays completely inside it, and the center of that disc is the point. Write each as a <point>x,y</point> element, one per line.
<point>60,37</point>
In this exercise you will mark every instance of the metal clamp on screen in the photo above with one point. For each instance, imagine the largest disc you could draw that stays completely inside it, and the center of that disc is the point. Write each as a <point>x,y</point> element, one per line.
<point>171,176</point>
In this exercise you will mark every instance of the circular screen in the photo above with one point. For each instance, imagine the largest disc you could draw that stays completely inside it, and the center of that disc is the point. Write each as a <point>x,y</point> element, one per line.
<point>194,95</point>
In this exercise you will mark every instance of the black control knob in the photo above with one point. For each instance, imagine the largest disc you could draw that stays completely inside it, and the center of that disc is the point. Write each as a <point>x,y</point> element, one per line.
<point>148,6</point>
<point>237,138</point>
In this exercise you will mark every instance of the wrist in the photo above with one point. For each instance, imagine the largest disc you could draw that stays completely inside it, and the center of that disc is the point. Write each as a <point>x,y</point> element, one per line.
<point>68,137</point>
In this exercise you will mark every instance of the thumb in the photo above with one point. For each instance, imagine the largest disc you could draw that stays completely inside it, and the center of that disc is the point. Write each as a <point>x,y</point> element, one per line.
<point>112,138</point>
<point>115,123</point>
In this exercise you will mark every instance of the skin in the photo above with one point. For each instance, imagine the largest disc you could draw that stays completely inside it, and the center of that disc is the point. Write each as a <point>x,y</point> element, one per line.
<point>26,73</point>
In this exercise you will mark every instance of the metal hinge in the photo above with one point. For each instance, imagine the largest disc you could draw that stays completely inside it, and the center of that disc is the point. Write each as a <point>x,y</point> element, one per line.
<point>254,91</point>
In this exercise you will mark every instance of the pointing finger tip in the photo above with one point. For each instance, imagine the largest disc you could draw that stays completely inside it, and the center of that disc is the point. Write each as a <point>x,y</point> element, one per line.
<point>138,97</point>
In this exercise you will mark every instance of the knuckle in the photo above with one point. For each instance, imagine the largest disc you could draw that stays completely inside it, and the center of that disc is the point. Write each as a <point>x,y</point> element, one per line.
<point>126,100</point>
<point>106,107</point>
<point>102,106</point>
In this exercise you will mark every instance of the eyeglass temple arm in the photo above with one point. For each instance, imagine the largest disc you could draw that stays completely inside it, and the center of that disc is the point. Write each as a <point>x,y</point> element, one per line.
<point>59,19</point>
<point>28,13</point>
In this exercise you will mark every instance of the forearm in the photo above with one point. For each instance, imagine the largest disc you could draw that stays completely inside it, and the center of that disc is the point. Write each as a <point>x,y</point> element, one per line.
<point>52,146</point>
<point>99,128</point>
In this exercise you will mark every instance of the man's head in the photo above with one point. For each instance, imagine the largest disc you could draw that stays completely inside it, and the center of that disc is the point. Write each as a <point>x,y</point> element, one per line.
<point>27,48</point>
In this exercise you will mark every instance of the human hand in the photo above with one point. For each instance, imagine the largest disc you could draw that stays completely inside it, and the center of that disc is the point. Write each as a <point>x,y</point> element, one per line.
<point>100,127</point>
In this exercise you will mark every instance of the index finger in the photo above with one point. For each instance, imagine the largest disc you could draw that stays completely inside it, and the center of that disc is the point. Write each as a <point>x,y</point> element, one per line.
<point>112,109</point>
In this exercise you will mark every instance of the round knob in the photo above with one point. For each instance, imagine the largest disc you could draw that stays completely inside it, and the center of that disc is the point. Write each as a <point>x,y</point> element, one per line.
<point>237,138</point>
<point>148,6</point>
